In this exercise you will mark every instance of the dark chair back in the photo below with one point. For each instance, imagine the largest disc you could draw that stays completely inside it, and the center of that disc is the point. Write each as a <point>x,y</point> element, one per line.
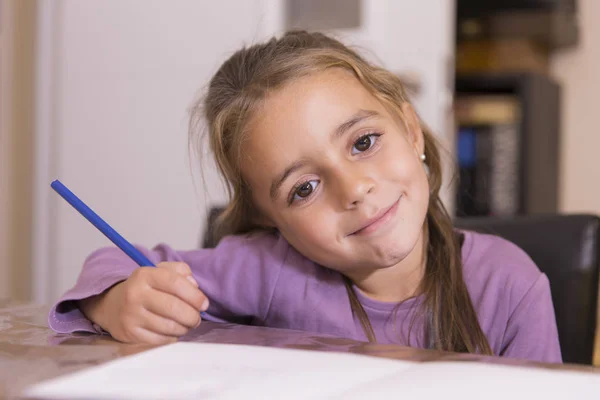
<point>565,248</point>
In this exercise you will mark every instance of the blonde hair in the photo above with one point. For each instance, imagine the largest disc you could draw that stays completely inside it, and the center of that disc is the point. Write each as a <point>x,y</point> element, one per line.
<point>237,90</point>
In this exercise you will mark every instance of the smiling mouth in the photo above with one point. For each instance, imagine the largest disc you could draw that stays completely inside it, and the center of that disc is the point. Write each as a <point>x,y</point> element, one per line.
<point>378,221</point>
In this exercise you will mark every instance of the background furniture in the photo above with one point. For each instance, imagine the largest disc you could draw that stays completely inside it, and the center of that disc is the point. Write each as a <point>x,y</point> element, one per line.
<point>565,248</point>
<point>508,144</point>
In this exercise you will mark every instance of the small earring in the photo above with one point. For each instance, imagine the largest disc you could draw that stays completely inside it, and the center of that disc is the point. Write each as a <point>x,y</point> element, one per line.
<point>423,157</point>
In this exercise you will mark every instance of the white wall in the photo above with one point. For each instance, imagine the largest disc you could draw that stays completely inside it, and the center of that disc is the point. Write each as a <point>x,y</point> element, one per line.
<point>124,72</point>
<point>577,70</point>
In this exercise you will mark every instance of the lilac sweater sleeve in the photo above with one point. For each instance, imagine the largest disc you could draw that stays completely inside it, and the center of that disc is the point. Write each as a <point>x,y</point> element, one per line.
<point>238,276</point>
<point>531,332</point>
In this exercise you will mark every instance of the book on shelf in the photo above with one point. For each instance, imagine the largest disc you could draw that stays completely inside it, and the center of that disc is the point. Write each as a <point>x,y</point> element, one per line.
<point>488,149</point>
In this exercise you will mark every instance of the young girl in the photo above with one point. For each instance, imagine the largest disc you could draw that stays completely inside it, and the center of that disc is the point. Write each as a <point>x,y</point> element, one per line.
<point>334,224</point>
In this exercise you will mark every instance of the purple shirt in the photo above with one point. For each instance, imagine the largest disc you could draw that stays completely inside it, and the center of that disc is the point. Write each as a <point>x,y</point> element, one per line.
<point>262,280</point>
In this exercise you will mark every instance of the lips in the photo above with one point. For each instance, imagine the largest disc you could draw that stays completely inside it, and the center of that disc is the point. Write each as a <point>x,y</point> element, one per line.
<point>373,224</point>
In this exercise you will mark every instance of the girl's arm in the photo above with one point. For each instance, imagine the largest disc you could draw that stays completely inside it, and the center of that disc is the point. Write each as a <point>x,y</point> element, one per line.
<point>238,277</point>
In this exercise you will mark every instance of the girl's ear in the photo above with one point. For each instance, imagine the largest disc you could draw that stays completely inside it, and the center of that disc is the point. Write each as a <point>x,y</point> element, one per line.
<point>413,127</point>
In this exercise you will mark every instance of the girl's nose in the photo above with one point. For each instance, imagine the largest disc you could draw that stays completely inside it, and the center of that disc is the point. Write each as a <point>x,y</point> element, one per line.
<point>353,186</point>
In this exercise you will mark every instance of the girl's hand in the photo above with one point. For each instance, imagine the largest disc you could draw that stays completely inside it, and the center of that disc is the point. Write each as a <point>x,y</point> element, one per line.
<point>153,306</point>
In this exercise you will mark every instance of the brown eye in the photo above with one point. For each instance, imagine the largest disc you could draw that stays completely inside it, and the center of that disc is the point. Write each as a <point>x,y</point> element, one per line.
<point>305,190</point>
<point>365,143</point>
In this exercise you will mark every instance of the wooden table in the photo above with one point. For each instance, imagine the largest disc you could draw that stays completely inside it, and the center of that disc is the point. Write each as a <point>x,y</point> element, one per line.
<point>30,352</point>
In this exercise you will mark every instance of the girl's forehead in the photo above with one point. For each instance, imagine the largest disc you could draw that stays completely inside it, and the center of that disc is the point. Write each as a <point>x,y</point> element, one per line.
<point>322,99</point>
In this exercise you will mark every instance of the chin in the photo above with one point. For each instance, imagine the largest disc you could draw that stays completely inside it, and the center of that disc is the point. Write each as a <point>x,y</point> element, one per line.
<point>396,248</point>
<point>394,256</point>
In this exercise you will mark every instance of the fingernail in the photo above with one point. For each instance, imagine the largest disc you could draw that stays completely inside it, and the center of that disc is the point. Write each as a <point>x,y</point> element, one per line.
<point>191,279</point>
<point>204,306</point>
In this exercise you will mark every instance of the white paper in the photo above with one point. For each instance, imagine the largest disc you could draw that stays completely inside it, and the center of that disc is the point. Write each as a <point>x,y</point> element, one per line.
<point>220,371</point>
<point>472,380</point>
<point>224,371</point>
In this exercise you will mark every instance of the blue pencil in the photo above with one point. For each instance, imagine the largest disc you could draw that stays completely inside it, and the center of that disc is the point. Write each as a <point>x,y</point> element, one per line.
<point>102,226</point>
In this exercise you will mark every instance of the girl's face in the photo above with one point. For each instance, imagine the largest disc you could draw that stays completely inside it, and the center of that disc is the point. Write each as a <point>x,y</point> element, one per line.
<point>338,175</point>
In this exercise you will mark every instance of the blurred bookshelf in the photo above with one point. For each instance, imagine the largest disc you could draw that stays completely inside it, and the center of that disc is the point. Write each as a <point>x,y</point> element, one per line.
<point>507,144</point>
<point>507,106</point>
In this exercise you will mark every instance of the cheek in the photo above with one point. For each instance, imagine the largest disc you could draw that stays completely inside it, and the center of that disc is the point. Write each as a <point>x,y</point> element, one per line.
<point>406,168</point>
<point>407,171</point>
<point>420,185</point>
<point>312,226</point>
<point>311,231</point>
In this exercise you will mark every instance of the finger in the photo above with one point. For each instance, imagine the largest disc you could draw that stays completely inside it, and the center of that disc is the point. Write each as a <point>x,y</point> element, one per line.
<point>171,307</point>
<point>161,325</point>
<point>174,284</point>
<point>180,268</point>
<point>143,335</point>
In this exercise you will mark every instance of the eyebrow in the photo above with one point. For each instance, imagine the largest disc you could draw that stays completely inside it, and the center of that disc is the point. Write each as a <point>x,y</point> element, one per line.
<point>276,185</point>
<point>358,117</point>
